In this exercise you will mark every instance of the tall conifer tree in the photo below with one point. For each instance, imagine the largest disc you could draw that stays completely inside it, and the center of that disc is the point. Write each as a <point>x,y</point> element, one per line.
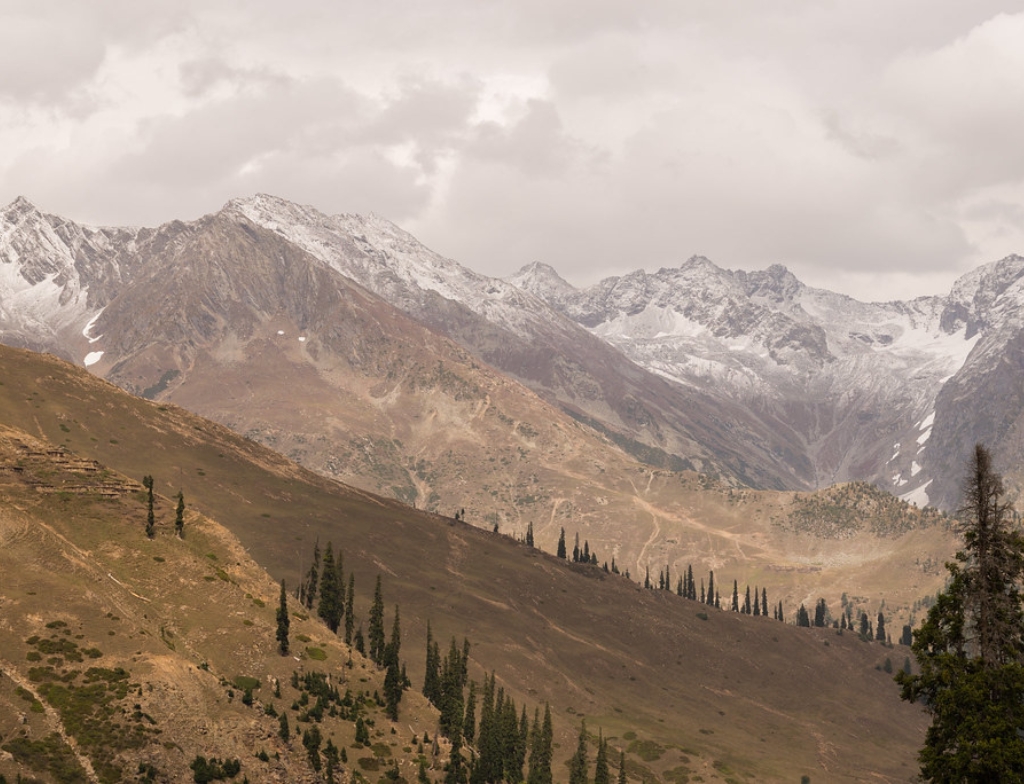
<point>350,618</point>
<point>970,648</point>
<point>283,622</point>
<point>602,774</point>
<point>578,762</point>
<point>541,751</point>
<point>330,607</point>
<point>375,632</point>
<point>179,515</point>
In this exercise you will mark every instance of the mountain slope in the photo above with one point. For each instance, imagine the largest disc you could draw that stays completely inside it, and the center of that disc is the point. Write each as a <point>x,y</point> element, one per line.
<point>704,693</point>
<point>858,385</point>
<point>517,333</point>
<point>127,658</point>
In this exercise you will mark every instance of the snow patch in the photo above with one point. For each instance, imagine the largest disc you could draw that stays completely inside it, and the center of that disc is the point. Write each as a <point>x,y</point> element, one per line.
<point>927,422</point>
<point>302,339</point>
<point>90,325</point>
<point>915,469</point>
<point>92,358</point>
<point>280,332</point>
<point>919,496</point>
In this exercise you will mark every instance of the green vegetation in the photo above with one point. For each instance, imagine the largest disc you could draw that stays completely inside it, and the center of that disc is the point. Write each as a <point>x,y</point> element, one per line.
<point>50,755</point>
<point>970,648</point>
<point>842,511</point>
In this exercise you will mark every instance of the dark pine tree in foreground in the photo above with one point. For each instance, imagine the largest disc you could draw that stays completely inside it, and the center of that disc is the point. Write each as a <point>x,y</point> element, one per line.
<point>970,648</point>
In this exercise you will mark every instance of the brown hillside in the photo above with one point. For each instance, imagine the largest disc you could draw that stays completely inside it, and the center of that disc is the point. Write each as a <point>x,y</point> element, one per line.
<point>723,698</point>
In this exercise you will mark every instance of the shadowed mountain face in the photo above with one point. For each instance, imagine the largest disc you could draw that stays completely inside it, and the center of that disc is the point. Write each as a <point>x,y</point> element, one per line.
<point>683,689</point>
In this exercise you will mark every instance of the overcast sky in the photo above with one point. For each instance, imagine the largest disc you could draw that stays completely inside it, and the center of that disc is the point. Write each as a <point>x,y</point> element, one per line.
<point>874,148</point>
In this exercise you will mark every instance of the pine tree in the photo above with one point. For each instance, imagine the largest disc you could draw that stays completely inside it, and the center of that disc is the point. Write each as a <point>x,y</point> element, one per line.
<point>576,549</point>
<point>711,587</point>
<point>541,751</point>
<point>970,648</point>
<point>311,739</point>
<point>782,617</point>
<point>283,732</point>
<point>283,622</point>
<point>330,607</point>
<point>147,482</point>
<point>880,628</point>
<point>451,698</point>
<point>602,775</point>
<point>375,633</point>
<point>179,515</point>
<point>764,602</point>
<point>865,626</point>
<point>311,584</point>
<point>578,763</point>
<point>529,535</point>
<point>432,671</point>
<point>692,591</point>
<point>746,603</point>
<point>820,613</point>
<point>350,619</point>
<point>735,596</point>
<point>394,681</point>
<point>647,577</point>
<point>469,723</point>
<point>622,767</point>
<point>802,617</point>
<point>561,544</point>
<point>757,602</point>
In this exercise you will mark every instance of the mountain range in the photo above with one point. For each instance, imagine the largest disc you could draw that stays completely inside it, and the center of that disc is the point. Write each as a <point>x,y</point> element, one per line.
<point>663,417</point>
<point>752,376</point>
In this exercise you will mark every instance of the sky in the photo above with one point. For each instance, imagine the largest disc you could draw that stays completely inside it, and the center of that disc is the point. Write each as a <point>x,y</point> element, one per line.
<point>873,148</point>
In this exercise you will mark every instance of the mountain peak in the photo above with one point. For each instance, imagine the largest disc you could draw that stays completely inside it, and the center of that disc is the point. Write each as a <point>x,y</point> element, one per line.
<point>776,283</point>
<point>697,262</point>
<point>541,279</point>
<point>21,206</point>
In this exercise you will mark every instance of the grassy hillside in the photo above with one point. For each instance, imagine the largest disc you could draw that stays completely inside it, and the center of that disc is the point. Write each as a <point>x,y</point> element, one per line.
<point>692,694</point>
<point>125,658</point>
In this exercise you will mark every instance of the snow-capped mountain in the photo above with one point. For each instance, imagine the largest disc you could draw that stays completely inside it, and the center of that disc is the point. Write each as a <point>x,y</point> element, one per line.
<point>751,375</point>
<point>516,331</point>
<point>863,385</point>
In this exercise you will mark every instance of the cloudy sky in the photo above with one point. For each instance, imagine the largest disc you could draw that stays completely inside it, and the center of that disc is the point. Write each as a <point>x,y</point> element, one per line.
<point>872,147</point>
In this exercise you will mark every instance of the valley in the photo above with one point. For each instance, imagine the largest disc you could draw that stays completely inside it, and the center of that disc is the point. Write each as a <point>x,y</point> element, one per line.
<point>685,690</point>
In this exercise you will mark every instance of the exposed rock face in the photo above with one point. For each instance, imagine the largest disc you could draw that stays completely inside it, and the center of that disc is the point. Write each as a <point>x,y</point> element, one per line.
<point>751,375</point>
<point>862,386</point>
